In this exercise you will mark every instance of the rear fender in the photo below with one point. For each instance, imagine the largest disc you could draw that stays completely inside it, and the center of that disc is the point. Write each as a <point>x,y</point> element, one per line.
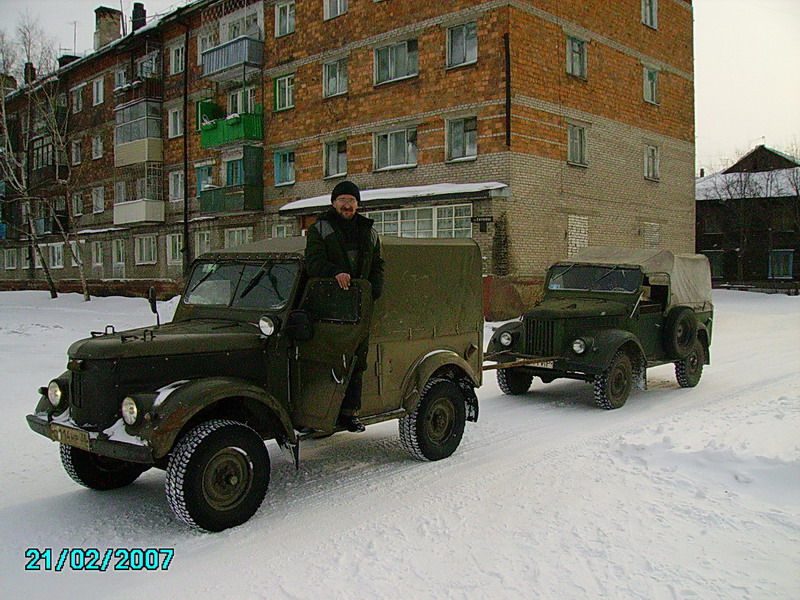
<point>446,364</point>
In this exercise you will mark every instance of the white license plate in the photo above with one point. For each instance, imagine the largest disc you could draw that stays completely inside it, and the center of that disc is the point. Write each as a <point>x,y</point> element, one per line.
<point>548,364</point>
<point>69,436</point>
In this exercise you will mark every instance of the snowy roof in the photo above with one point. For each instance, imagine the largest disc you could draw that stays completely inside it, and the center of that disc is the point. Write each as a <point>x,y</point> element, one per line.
<point>419,191</point>
<point>780,183</point>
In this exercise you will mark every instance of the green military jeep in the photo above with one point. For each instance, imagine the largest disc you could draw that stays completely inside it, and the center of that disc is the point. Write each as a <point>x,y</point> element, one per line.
<point>605,317</point>
<point>258,351</point>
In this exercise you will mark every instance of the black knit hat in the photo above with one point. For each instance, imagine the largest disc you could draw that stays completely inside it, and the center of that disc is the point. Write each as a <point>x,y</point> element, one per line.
<point>345,187</point>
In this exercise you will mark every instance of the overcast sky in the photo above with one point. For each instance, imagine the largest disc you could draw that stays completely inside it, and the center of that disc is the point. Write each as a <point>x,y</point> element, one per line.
<point>747,73</point>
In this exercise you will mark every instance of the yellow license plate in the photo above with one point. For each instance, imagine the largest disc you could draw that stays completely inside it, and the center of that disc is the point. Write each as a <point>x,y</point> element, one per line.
<point>69,436</point>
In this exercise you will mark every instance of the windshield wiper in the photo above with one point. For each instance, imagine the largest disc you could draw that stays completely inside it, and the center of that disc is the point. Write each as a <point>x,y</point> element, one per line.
<point>253,282</point>
<point>603,276</point>
<point>204,277</point>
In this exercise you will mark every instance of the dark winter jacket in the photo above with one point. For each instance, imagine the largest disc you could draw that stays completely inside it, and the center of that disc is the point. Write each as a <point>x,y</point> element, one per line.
<point>326,249</point>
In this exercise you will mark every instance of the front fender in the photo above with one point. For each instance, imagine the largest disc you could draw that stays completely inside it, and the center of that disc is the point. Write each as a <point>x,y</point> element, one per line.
<point>515,329</point>
<point>175,405</point>
<point>425,367</point>
<point>602,347</point>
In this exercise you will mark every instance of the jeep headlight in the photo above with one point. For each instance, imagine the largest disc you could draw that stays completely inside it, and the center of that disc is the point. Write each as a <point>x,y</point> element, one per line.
<point>130,412</point>
<point>578,346</point>
<point>54,393</point>
<point>505,338</point>
<point>267,325</point>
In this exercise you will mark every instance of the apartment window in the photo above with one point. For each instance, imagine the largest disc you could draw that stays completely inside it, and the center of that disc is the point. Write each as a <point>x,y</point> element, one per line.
<point>462,138</point>
<point>119,192</point>
<point>98,199</point>
<point>428,222</point>
<point>204,42</point>
<point>396,61</point>
<point>284,18</point>
<point>177,60</point>
<point>77,204</point>
<point>77,100</point>
<point>202,242</point>
<point>284,167</point>
<point>576,145</point>
<point>651,163</point>
<point>145,252</point>
<point>716,262</point>
<point>781,264</point>
<point>42,152</point>
<point>396,149</point>
<point>238,236</point>
<point>76,152</point>
<point>281,231</point>
<point>118,252</point>
<point>97,91</point>
<point>242,101</point>
<point>651,85</point>
<point>74,254</point>
<point>334,8</point>
<point>175,249</point>
<point>176,180</point>
<point>650,13</point>
<point>97,147</point>
<point>138,121</point>
<point>119,78</point>
<point>10,258</point>
<point>462,44</point>
<point>334,77</point>
<point>284,92</point>
<point>175,122</point>
<point>234,172</point>
<point>147,66</point>
<point>576,57</point>
<point>97,254</point>
<point>25,258</point>
<point>335,158</point>
<point>204,177</point>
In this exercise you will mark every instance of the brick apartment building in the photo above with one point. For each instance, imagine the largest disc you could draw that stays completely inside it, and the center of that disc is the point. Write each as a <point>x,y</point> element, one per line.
<point>534,126</point>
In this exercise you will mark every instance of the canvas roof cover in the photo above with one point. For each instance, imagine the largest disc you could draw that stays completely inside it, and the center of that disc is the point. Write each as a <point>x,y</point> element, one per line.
<point>690,275</point>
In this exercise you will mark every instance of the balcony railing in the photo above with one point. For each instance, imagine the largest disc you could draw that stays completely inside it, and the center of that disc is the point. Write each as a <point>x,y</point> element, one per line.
<point>145,87</point>
<point>48,174</point>
<point>234,198</point>
<point>235,128</point>
<point>143,210</point>
<point>232,59</point>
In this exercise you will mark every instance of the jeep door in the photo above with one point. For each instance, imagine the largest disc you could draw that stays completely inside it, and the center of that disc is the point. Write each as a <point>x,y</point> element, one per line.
<point>320,367</point>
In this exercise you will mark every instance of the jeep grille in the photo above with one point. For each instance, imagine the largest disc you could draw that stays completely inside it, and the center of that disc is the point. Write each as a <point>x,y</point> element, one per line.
<point>539,336</point>
<point>76,389</point>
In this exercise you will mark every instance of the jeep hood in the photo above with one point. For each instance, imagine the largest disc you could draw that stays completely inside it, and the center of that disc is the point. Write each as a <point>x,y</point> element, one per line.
<point>184,337</point>
<point>569,308</point>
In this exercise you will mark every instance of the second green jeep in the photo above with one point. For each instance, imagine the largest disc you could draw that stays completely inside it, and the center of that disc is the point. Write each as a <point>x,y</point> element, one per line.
<point>258,351</point>
<point>606,316</point>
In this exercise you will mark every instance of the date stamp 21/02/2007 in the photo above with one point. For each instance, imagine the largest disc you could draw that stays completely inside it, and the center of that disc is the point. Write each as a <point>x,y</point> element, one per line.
<point>93,559</point>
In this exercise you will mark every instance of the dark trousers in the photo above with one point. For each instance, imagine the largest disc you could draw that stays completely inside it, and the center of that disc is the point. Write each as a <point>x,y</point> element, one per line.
<point>351,403</point>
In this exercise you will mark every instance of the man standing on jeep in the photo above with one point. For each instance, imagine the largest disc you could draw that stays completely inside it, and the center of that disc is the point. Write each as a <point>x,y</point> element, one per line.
<point>344,245</point>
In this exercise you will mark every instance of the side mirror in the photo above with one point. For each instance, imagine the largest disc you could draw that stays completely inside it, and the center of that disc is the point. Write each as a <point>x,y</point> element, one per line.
<point>151,298</point>
<point>299,326</point>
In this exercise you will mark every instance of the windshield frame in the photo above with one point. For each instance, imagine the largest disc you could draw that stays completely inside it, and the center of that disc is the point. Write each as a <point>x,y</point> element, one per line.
<point>604,270</point>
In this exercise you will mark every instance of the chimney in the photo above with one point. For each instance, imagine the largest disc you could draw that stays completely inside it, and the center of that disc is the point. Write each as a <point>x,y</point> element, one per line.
<point>702,172</point>
<point>29,73</point>
<point>139,16</point>
<point>108,22</point>
<point>65,59</point>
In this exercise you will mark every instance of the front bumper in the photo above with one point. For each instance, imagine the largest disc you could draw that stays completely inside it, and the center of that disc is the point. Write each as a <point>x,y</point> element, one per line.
<point>97,445</point>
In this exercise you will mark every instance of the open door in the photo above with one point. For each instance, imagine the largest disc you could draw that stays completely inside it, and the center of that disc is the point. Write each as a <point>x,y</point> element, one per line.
<point>321,366</point>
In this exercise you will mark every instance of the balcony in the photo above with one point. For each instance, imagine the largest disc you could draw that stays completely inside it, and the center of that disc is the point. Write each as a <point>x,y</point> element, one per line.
<point>48,225</point>
<point>48,175</point>
<point>3,229</point>
<point>233,60</point>
<point>146,87</point>
<point>234,198</point>
<point>139,151</point>
<point>141,211</point>
<point>236,128</point>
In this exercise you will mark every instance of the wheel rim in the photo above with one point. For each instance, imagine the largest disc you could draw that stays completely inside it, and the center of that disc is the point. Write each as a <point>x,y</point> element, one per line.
<point>618,381</point>
<point>692,362</point>
<point>440,420</point>
<point>227,478</point>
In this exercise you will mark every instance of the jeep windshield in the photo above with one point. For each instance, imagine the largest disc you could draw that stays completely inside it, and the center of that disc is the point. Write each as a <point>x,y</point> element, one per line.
<point>594,278</point>
<point>233,284</point>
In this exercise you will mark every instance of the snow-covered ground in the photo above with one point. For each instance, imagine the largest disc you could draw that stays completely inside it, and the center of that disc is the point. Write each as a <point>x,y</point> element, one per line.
<point>682,493</point>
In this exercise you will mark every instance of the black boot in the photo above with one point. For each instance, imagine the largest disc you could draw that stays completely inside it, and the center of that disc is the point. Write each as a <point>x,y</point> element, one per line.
<point>351,403</point>
<point>350,423</point>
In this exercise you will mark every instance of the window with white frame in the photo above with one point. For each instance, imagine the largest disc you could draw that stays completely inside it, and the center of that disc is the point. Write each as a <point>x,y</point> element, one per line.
<point>77,99</point>
<point>97,254</point>
<point>781,264</point>
<point>147,65</point>
<point>10,258</point>
<point>651,163</point>
<point>447,221</point>
<point>120,189</point>
<point>334,8</point>
<point>334,78</point>
<point>234,172</point>
<point>284,92</point>
<point>120,78</point>
<point>462,138</point>
<point>205,41</point>
<point>98,199</point>
<point>77,204</point>
<point>281,230</point>
<point>74,254</point>
<point>284,167</point>
<point>650,85</point>
<point>43,152</point>
<point>238,236</point>
<point>25,258</point>
<point>335,158</point>
<point>175,122</point>
<point>175,249</point>
<point>242,101</point>
<point>576,57</point>
<point>396,148</point>
<point>284,18</point>
<point>202,242</point>
<point>396,61</point>
<point>177,59</point>
<point>56,259</point>
<point>76,152</point>
<point>204,176</point>
<point>97,146</point>
<point>576,145</point>
<point>97,91</point>
<point>650,13</point>
<point>138,121</point>
<point>145,251</point>
<point>118,252</point>
<point>176,179</point>
<point>462,44</point>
